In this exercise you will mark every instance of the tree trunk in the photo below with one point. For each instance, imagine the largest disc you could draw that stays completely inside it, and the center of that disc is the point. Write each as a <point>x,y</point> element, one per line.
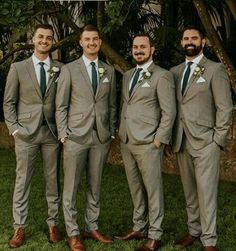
<point>215,41</point>
<point>232,6</point>
<point>113,57</point>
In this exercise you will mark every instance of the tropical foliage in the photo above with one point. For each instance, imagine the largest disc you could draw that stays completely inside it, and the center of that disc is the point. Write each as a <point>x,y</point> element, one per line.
<point>118,20</point>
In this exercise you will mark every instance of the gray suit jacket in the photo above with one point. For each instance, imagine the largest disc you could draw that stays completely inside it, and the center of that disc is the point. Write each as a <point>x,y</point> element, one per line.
<point>24,106</point>
<point>205,109</point>
<point>78,110</point>
<point>150,110</point>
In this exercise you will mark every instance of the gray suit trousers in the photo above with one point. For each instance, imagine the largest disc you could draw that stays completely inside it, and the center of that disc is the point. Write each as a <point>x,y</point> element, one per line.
<point>26,153</point>
<point>143,171</point>
<point>75,158</point>
<point>199,171</point>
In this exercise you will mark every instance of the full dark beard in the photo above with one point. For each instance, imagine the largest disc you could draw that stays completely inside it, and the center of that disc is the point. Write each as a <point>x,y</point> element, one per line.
<point>192,52</point>
<point>145,60</point>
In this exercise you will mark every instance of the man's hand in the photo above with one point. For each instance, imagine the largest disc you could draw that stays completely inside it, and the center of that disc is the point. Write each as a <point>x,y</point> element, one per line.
<point>157,143</point>
<point>168,151</point>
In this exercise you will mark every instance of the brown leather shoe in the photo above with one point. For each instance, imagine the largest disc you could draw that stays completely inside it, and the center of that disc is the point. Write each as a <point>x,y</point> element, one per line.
<point>150,245</point>
<point>131,235</point>
<point>54,235</point>
<point>96,235</point>
<point>17,239</point>
<point>209,248</point>
<point>75,244</point>
<point>186,241</point>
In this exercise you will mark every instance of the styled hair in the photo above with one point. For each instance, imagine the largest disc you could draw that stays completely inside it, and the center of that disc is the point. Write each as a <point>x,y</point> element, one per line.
<point>144,35</point>
<point>43,26</point>
<point>193,27</point>
<point>90,27</point>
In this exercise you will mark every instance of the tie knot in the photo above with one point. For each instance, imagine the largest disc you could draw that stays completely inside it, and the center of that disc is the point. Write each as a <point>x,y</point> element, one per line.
<point>41,63</point>
<point>139,69</point>
<point>189,63</point>
<point>92,63</point>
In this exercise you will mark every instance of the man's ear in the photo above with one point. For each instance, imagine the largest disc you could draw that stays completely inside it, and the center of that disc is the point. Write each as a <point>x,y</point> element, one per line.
<point>152,50</point>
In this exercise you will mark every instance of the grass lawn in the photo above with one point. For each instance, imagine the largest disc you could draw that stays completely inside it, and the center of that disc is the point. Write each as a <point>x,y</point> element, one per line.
<point>116,211</point>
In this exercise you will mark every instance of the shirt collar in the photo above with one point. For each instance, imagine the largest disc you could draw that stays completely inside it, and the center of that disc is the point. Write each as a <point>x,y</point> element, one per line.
<point>88,61</point>
<point>36,60</point>
<point>195,60</point>
<point>145,66</point>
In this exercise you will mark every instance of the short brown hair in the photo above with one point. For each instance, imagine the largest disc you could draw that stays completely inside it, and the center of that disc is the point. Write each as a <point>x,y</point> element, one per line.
<point>43,26</point>
<point>144,35</point>
<point>193,27</point>
<point>90,27</point>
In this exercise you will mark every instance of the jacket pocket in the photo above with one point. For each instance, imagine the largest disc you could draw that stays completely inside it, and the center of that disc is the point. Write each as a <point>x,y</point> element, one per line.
<point>25,115</point>
<point>206,123</point>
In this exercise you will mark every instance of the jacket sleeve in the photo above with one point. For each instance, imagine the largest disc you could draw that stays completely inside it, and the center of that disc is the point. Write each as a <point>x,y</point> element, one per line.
<point>11,99</point>
<point>62,101</point>
<point>223,103</point>
<point>113,104</point>
<point>167,102</point>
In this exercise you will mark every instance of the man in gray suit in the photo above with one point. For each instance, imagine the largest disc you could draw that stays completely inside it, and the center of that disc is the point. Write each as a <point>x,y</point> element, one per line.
<point>200,131</point>
<point>29,111</point>
<point>86,118</point>
<point>147,116</point>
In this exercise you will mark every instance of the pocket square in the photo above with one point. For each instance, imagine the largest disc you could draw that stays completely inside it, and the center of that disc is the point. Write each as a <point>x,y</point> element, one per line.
<point>145,85</point>
<point>201,80</point>
<point>105,80</point>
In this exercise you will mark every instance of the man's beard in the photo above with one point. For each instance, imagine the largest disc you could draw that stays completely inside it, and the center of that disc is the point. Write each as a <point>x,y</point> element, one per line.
<point>145,60</point>
<point>192,52</point>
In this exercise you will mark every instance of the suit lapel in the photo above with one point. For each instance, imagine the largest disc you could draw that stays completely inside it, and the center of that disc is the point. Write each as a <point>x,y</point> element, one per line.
<point>32,74</point>
<point>128,83</point>
<point>193,77</point>
<point>85,75</point>
<point>51,78</point>
<point>140,81</point>
<point>100,79</point>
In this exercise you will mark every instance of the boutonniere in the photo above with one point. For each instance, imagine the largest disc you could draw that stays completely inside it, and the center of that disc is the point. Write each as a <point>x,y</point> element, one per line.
<point>54,70</point>
<point>102,71</point>
<point>145,75</point>
<point>199,70</point>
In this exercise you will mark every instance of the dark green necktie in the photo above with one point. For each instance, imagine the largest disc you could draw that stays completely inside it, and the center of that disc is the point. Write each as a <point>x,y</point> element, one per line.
<point>94,77</point>
<point>135,80</point>
<point>186,76</point>
<point>43,85</point>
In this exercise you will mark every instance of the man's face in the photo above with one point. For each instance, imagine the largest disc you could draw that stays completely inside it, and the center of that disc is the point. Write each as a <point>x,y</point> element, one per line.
<point>43,40</point>
<point>192,43</point>
<point>141,50</point>
<point>90,42</point>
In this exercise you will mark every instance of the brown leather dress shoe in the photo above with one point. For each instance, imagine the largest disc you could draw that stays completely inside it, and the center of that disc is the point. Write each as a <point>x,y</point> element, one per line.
<point>186,241</point>
<point>54,235</point>
<point>17,239</point>
<point>75,244</point>
<point>96,235</point>
<point>209,248</point>
<point>150,245</point>
<point>131,235</point>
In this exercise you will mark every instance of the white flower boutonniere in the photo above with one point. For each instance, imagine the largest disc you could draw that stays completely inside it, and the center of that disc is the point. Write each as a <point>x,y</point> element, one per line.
<point>145,75</point>
<point>52,71</point>
<point>199,70</point>
<point>102,71</point>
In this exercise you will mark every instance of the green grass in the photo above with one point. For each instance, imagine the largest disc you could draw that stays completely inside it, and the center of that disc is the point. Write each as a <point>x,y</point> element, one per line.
<point>116,211</point>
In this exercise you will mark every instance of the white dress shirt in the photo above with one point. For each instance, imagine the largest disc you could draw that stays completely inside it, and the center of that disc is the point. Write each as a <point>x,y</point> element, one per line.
<point>192,67</point>
<point>37,66</point>
<point>88,66</point>
<point>144,69</point>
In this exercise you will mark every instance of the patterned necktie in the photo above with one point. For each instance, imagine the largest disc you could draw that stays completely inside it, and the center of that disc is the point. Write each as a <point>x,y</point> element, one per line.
<point>43,85</point>
<point>186,76</point>
<point>135,80</point>
<point>94,77</point>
